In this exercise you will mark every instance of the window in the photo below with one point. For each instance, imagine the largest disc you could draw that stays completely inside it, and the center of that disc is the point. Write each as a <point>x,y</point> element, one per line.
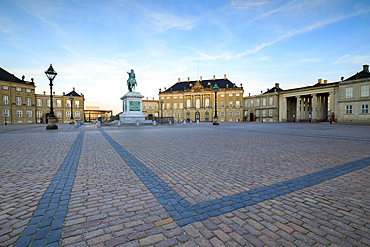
<point>168,97</point>
<point>252,103</point>
<point>365,91</point>
<point>207,102</point>
<point>245,103</point>
<point>19,113</point>
<point>4,87</point>
<point>237,114</point>
<point>264,101</point>
<point>168,106</point>
<point>39,114</point>
<point>28,101</point>
<point>5,99</point>
<point>349,92</point>
<point>197,103</point>
<point>144,106</point>
<point>5,113</point>
<point>181,105</point>
<point>271,101</point>
<point>48,103</point>
<point>18,89</point>
<point>222,114</point>
<point>263,113</point>
<point>231,95</point>
<point>349,109</point>
<point>257,102</point>
<point>230,104</point>
<point>237,95</point>
<point>18,100</point>
<point>28,90</point>
<point>181,115</point>
<point>59,103</point>
<point>175,115</point>
<point>77,103</point>
<point>230,114</point>
<point>77,114</point>
<point>39,102</point>
<point>168,114</point>
<point>28,113</point>
<point>68,114</point>
<point>188,103</point>
<point>174,105</point>
<point>257,113</point>
<point>271,113</point>
<point>222,104</point>
<point>237,103</point>
<point>222,95</point>
<point>59,114</point>
<point>68,103</point>
<point>174,97</point>
<point>365,109</point>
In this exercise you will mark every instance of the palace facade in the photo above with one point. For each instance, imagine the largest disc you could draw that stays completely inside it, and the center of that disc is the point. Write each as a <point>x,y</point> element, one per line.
<point>195,100</point>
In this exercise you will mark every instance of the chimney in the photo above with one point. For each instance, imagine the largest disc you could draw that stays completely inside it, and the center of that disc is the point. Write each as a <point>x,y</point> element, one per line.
<point>365,68</point>
<point>201,79</point>
<point>188,79</point>
<point>224,76</point>
<point>319,81</point>
<point>214,77</point>
<point>178,80</point>
<point>277,85</point>
<point>325,81</point>
<point>73,88</point>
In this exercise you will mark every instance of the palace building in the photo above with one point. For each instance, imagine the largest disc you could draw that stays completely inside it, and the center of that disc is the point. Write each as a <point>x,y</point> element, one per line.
<point>195,100</point>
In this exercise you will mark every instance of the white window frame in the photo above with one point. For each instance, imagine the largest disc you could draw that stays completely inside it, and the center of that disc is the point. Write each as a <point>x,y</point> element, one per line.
<point>39,114</point>
<point>349,109</point>
<point>28,90</point>
<point>19,113</point>
<point>271,112</point>
<point>59,103</point>
<point>349,92</point>
<point>18,89</point>
<point>5,99</point>
<point>68,114</point>
<point>5,87</point>
<point>39,102</point>
<point>365,109</point>
<point>29,113</point>
<point>28,101</point>
<point>18,100</point>
<point>59,114</point>
<point>365,91</point>
<point>6,113</point>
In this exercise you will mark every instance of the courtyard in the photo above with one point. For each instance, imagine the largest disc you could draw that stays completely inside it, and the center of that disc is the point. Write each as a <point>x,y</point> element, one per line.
<point>236,184</point>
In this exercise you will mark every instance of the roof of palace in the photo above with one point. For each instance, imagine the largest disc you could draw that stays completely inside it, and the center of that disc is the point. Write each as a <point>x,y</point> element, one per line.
<point>6,76</point>
<point>184,85</point>
<point>360,75</point>
<point>73,93</point>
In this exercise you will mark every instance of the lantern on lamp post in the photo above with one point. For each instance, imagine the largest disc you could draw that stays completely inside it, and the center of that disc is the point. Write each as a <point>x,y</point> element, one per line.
<point>51,74</point>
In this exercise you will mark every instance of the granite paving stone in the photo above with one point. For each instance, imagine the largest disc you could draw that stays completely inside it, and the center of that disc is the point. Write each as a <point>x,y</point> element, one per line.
<point>237,184</point>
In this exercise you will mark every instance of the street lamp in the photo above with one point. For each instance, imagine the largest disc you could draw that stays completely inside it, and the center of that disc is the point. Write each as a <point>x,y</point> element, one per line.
<point>215,118</point>
<point>51,73</point>
<point>71,98</point>
<point>161,101</point>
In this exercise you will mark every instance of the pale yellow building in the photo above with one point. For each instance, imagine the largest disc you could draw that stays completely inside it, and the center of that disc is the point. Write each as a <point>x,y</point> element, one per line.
<point>18,99</point>
<point>62,107</point>
<point>151,109</point>
<point>195,100</point>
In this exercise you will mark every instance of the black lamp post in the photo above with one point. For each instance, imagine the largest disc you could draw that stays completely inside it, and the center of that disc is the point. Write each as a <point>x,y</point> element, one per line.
<point>215,118</point>
<point>161,101</point>
<point>71,98</point>
<point>51,73</point>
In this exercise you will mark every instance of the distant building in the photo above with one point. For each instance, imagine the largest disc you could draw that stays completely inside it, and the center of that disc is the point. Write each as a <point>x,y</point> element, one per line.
<point>62,107</point>
<point>195,100</point>
<point>150,109</point>
<point>93,113</point>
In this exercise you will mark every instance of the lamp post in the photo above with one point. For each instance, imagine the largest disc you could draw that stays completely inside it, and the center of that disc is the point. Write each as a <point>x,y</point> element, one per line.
<point>215,118</point>
<point>161,101</point>
<point>71,98</point>
<point>51,73</point>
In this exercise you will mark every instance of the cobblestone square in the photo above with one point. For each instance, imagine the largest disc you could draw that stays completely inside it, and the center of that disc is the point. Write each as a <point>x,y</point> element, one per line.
<point>236,184</point>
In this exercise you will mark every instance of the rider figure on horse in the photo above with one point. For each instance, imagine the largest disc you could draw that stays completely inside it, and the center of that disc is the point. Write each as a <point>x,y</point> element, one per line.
<point>131,81</point>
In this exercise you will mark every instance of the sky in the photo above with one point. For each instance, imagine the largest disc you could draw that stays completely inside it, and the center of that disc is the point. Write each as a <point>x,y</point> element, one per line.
<point>92,44</point>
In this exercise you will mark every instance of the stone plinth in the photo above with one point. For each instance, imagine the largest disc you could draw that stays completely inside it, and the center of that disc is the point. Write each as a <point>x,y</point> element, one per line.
<point>132,108</point>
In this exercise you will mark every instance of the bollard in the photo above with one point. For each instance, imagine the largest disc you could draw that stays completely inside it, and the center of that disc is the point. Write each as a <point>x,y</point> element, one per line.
<point>154,123</point>
<point>197,122</point>
<point>98,124</point>
<point>119,123</point>
<point>169,122</point>
<point>137,123</point>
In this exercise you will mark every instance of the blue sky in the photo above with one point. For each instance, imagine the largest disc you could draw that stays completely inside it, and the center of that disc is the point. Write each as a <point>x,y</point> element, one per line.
<point>93,43</point>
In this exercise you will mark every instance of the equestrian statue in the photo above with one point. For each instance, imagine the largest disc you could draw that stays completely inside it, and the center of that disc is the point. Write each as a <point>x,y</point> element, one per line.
<point>131,81</point>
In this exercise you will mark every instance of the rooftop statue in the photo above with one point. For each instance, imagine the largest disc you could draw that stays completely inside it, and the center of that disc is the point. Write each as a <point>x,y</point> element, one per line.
<point>131,81</point>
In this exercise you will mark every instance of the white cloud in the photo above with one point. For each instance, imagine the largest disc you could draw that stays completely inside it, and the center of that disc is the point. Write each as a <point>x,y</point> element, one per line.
<point>247,4</point>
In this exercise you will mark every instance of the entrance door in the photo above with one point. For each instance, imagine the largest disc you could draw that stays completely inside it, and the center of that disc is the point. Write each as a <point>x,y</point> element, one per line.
<point>197,116</point>
<point>251,117</point>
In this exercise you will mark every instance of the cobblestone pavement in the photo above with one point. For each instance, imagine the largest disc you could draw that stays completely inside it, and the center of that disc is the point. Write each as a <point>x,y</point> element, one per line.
<point>237,184</point>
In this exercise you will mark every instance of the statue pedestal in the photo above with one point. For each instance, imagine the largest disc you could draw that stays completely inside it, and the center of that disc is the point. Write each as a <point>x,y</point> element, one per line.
<point>132,108</point>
